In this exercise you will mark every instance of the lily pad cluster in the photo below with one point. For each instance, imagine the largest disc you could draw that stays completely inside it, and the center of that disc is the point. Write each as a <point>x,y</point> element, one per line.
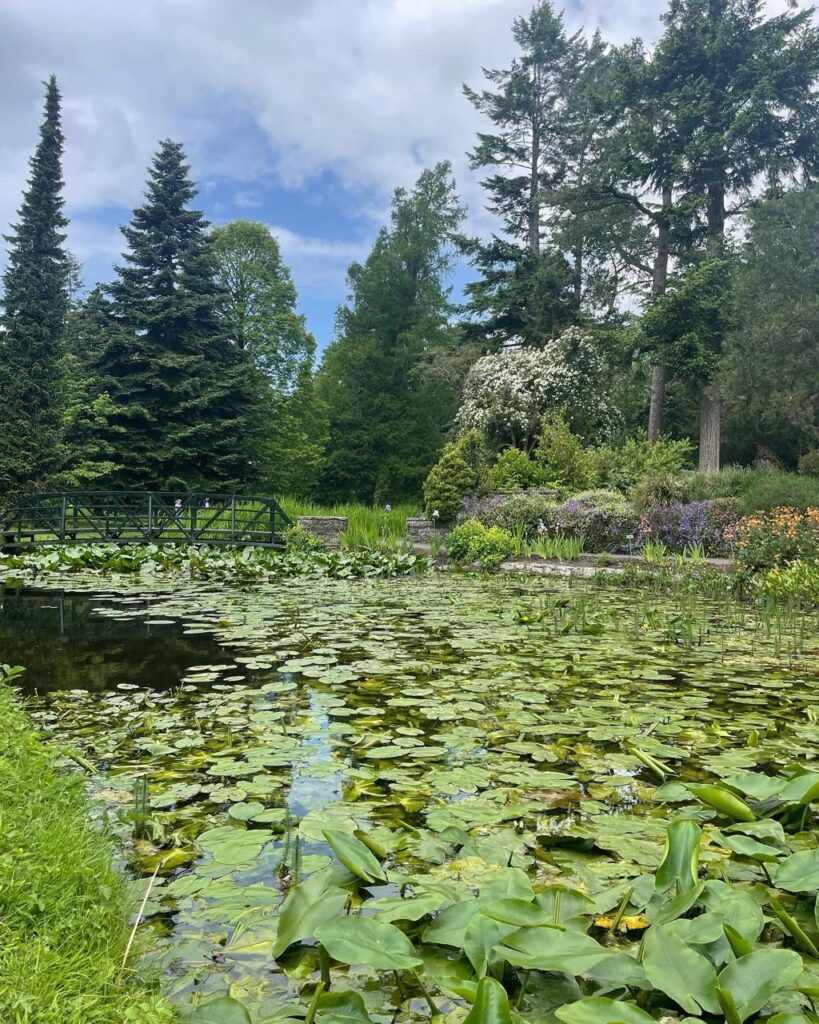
<point>484,740</point>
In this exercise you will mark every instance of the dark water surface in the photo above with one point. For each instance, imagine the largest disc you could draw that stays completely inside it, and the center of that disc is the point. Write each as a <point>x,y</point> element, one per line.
<point>65,643</point>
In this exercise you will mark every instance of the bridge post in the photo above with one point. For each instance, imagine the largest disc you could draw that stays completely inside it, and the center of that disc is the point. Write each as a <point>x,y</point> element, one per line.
<point>150,516</point>
<point>233,518</point>
<point>62,520</point>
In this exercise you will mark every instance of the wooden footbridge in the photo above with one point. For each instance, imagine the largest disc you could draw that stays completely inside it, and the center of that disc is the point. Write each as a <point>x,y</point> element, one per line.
<point>142,517</point>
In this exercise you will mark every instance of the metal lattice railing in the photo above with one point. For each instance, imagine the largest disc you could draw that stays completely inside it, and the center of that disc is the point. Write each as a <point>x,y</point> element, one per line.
<point>144,517</point>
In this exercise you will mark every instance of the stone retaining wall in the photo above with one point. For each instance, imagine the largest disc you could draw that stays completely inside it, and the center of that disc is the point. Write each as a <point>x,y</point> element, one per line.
<point>328,528</point>
<point>423,531</point>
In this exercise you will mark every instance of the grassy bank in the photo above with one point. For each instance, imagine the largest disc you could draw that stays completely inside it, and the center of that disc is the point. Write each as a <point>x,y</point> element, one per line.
<point>64,909</point>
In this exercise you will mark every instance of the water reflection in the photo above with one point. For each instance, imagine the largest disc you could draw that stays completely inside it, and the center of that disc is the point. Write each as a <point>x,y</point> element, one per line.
<point>66,644</point>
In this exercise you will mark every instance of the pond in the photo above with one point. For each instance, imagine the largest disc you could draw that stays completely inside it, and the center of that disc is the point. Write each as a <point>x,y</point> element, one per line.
<point>532,719</point>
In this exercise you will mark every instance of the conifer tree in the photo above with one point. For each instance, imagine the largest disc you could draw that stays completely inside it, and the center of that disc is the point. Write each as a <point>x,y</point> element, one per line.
<point>740,93</point>
<point>187,403</point>
<point>35,306</point>
<point>386,422</point>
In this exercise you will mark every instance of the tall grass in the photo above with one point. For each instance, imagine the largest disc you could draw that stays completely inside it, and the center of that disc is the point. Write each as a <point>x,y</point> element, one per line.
<point>367,527</point>
<point>64,908</point>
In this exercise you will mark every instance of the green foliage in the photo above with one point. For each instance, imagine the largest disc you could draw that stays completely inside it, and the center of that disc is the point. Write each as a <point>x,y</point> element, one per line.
<point>809,463</point>
<point>256,312</point>
<point>518,513</point>
<point>777,537</point>
<point>257,302</point>
<point>189,406</point>
<point>625,466</point>
<point>386,422</point>
<point>64,907</point>
<point>772,358</point>
<point>797,582</point>
<point>659,488</point>
<point>460,471</point>
<point>35,306</point>
<point>300,540</point>
<point>238,564</point>
<point>562,456</point>
<point>515,471</point>
<point>473,542</point>
<point>759,489</point>
<point>561,549</point>
<point>687,324</point>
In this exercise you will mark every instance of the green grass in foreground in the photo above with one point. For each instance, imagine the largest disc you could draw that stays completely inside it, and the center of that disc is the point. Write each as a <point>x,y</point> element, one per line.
<point>64,908</point>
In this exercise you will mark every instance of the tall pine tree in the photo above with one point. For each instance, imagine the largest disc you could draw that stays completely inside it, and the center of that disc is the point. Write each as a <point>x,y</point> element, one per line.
<point>35,306</point>
<point>386,417</point>
<point>740,93</point>
<point>187,402</point>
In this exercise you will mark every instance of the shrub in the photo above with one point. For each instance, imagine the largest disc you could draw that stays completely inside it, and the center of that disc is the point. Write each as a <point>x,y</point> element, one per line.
<point>760,489</point>
<point>710,524</point>
<point>776,537</point>
<point>797,582</point>
<point>507,393</point>
<point>473,542</point>
<point>517,513</point>
<point>659,488</point>
<point>623,467</point>
<point>770,490</point>
<point>605,526</point>
<point>300,540</point>
<point>564,460</point>
<point>809,463</point>
<point>515,471</point>
<point>460,471</point>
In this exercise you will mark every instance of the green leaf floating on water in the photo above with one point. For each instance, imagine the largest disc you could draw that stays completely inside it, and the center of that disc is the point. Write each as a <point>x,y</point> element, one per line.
<point>552,949</point>
<point>754,978</point>
<point>342,1008</point>
<point>679,971</point>
<point>361,940</point>
<point>602,1010</point>
<point>491,1005</point>
<point>230,845</point>
<point>222,1010</point>
<point>355,856</point>
<point>681,857</point>
<point>307,907</point>
<point>799,872</point>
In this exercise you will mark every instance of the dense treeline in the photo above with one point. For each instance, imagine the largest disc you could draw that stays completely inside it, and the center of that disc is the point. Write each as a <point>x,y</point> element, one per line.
<point>662,200</point>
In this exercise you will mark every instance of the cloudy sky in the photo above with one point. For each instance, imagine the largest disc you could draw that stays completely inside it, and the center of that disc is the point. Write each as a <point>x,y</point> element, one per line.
<point>304,114</point>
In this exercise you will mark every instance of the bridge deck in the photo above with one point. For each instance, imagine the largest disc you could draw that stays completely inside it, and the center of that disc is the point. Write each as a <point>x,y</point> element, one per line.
<point>143,517</point>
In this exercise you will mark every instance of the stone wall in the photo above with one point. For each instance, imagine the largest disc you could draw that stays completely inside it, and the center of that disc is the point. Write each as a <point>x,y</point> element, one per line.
<point>328,528</point>
<point>422,531</point>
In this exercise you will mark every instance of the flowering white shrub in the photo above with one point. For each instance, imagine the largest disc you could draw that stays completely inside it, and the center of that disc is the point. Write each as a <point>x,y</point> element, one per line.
<point>507,394</point>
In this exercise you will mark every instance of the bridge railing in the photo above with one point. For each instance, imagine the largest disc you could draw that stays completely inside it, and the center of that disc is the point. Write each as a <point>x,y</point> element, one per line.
<point>160,517</point>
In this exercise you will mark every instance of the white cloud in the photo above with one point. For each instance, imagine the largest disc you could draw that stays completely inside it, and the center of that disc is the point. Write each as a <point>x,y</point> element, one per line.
<point>260,91</point>
<point>319,265</point>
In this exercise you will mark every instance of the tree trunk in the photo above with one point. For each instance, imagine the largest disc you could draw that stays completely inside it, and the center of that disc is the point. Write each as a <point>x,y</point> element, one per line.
<point>659,375</point>
<point>709,432</point>
<point>534,195</point>
<point>710,425</point>
<point>659,283</point>
<point>577,276</point>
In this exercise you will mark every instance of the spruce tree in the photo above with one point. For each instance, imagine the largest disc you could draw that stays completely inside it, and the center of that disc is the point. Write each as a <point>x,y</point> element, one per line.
<point>35,306</point>
<point>187,403</point>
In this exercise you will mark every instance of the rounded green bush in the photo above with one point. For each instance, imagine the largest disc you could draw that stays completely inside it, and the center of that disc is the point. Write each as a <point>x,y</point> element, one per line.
<point>515,471</point>
<point>474,542</point>
<point>809,463</point>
